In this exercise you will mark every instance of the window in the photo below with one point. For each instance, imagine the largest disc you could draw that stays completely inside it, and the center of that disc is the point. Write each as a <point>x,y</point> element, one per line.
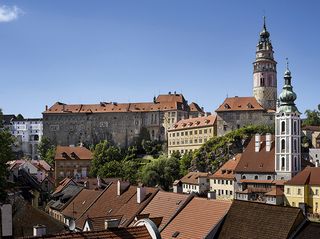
<point>186,133</point>
<point>243,177</point>
<point>177,134</point>
<point>230,192</point>
<point>282,163</point>
<point>225,127</point>
<point>316,192</point>
<point>173,134</point>
<point>196,132</point>
<point>288,190</point>
<point>295,145</point>
<point>190,132</point>
<point>200,131</point>
<point>222,181</point>
<point>283,145</point>
<point>283,127</point>
<point>205,131</point>
<point>256,177</point>
<point>295,127</point>
<point>269,177</point>
<point>299,191</point>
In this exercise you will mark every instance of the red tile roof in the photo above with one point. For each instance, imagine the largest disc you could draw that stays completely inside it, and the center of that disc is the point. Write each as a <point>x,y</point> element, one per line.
<point>257,162</point>
<point>138,232</point>
<point>80,203</point>
<point>226,171</point>
<point>311,128</point>
<point>194,107</point>
<point>190,123</point>
<point>109,204</point>
<point>171,98</point>
<point>165,205</point>
<point>72,153</point>
<point>63,183</point>
<point>192,177</point>
<point>196,219</point>
<point>308,176</point>
<point>275,192</point>
<point>240,104</point>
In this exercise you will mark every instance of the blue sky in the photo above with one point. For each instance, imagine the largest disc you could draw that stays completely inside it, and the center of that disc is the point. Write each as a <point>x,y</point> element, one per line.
<point>128,51</point>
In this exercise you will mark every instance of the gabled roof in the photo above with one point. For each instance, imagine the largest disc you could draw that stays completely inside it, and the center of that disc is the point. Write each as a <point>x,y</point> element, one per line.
<point>194,122</point>
<point>194,107</point>
<point>72,153</point>
<point>258,220</point>
<point>138,232</point>
<point>170,98</point>
<point>109,204</point>
<point>257,162</point>
<point>197,219</point>
<point>165,205</point>
<point>192,177</point>
<point>226,171</point>
<point>308,176</point>
<point>62,184</point>
<point>63,198</point>
<point>311,128</point>
<point>311,230</point>
<point>240,104</point>
<point>80,203</point>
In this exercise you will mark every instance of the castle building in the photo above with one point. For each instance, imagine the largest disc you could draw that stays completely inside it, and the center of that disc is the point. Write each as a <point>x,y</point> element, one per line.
<point>236,112</point>
<point>120,123</point>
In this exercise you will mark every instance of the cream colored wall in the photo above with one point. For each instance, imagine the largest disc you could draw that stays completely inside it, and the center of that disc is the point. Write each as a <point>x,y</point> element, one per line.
<point>292,197</point>
<point>314,198</point>
<point>189,139</point>
<point>228,185</point>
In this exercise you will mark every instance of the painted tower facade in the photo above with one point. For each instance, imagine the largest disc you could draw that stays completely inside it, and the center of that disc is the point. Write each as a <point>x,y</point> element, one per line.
<point>265,72</point>
<point>287,133</point>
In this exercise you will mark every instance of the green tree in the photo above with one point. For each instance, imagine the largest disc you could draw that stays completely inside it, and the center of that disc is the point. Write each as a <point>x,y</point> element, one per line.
<point>20,117</point>
<point>161,171</point>
<point>313,117</point>
<point>43,147</point>
<point>6,154</point>
<point>185,163</point>
<point>111,169</point>
<point>49,157</point>
<point>103,153</point>
<point>1,118</point>
<point>130,171</point>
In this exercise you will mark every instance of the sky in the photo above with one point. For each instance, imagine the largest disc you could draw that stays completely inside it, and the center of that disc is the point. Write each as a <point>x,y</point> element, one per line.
<point>85,52</point>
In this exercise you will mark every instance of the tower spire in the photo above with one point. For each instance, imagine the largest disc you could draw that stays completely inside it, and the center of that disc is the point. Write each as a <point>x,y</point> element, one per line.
<point>264,23</point>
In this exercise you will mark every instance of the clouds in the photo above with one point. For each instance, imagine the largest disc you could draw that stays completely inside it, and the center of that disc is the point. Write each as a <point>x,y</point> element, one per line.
<point>8,14</point>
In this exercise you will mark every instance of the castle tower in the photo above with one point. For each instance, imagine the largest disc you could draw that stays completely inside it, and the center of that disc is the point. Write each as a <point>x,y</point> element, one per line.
<point>287,133</point>
<point>265,72</point>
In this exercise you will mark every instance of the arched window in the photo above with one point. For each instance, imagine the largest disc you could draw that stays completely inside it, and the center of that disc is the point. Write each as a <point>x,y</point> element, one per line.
<point>295,164</point>
<point>256,177</point>
<point>295,146</point>
<point>269,177</point>
<point>295,127</point>
<point>283,127</point>
<point>282,162</point>
<point>283,145</point>
<point>243,177</point>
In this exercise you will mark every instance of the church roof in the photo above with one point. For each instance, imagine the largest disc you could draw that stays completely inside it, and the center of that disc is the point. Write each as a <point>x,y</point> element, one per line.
<point>240,104</point>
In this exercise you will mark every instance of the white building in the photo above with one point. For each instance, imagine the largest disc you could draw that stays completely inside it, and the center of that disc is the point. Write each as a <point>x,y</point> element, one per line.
<point>28,133</point>
<point>196,182</point>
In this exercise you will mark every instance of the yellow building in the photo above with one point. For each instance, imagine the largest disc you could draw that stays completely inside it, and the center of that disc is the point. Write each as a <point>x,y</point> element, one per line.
<point>189,134</point>
<point>304,190</point>
<point>222,182</point>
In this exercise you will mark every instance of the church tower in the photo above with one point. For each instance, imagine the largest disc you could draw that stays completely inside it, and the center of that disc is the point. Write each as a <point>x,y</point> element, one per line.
<point>287,133</point>
<point>265,72</point>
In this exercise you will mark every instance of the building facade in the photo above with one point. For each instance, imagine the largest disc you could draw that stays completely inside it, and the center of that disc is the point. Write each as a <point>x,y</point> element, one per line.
<point>28,133</point>
<point>72,162</point>
<point>195,182</point>
<point>189,134</point>
<point>120,123</point>
<point>303,190</point>
<point>236,112</point>
<point>223,181</point>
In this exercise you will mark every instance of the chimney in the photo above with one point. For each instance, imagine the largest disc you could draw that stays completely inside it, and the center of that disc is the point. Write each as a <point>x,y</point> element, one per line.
<point>257,142</point>
<point>141,193</point>
<point>121,187</point>
<point>317,164</point>
<point>268,142</point>
<point>111,223</point>
<point>98,182</point>
<point>46,107</point>
<point>39,230</point>
<point>211,195</point>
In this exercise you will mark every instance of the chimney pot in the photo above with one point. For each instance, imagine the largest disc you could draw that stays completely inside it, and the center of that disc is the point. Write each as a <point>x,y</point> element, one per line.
<point>268,142</point>
<point>257,142</point>
<point>121,187</point>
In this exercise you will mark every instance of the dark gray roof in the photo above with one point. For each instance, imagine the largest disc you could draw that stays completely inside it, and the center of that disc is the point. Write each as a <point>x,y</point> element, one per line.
<point>64,197</point>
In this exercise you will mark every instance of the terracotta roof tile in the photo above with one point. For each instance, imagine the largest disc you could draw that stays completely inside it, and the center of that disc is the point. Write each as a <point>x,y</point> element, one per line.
<point>258,220</point>
<point>309,175</point>
<point>72,153</point>
<point>139,232</point>
<point>240,104</point>
<point>261,161</point>
<point>226,171</point>
<point>109,204</point>
<point>194,122</point>
<point>194,107</point>
<point>80,203</point>
<point>192,177</point>
<point>275,192</point>
<point>196,219</point>
<point>62,184</point>
<point>165,205</point>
